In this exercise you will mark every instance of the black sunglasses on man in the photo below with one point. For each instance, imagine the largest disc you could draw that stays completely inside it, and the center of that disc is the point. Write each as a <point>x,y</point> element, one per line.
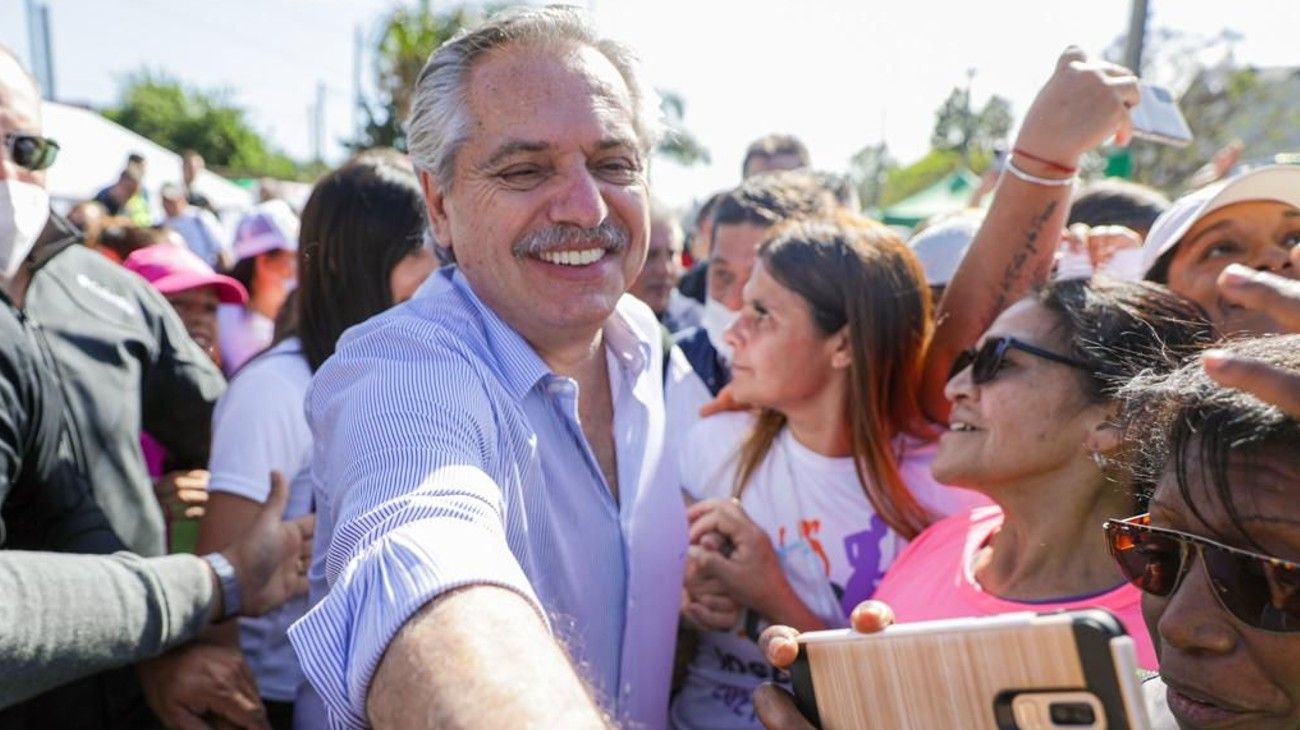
<point>31,151</point>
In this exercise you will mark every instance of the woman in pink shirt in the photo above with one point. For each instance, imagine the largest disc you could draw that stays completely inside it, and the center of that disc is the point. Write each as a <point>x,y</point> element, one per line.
<point>1033,428</point>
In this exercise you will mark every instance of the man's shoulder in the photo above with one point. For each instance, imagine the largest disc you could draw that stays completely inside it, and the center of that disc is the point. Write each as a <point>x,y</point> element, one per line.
<point>95,281</point>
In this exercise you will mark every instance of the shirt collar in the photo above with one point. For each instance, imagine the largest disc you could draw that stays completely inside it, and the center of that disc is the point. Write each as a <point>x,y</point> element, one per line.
<point>521,367</point>
<point>517,361</point>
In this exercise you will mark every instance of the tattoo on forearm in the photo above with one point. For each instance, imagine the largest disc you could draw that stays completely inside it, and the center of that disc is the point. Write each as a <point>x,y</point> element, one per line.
<point>1013,273</point>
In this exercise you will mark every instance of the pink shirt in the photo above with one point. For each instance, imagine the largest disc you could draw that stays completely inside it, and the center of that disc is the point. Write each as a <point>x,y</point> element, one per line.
<point>932,579</point>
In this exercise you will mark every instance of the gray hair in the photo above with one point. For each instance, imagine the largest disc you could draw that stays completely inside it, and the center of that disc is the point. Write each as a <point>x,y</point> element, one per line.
<point>439,123</point>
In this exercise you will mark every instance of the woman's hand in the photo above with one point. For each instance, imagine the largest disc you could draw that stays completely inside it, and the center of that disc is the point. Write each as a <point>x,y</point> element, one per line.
<point>1085,102</point>
<point>749,569</point>
<point>182,494</point>
<point>775,707</point>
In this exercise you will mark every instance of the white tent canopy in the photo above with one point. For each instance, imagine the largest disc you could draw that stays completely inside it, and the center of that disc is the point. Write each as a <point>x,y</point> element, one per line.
<point>93,151</point>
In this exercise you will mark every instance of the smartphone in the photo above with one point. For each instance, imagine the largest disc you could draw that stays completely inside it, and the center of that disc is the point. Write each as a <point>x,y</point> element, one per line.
<point>1073,670</point>
<point>1157,117</point>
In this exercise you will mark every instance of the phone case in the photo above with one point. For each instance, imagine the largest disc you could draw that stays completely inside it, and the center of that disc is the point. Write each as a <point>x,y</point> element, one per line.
<point>1009,672</point>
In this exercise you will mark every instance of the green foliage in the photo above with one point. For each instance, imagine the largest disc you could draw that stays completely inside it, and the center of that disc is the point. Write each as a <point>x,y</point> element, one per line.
<point>410,34</point>
<point>176,117</point>
<point>1223,106</point>
<point>902,182</point>
<point>678,143</point>
<point>957,126</point>
<point>408,37</point>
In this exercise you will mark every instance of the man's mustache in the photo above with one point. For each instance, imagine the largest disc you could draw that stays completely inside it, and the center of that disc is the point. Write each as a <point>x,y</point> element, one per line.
<point>608,235</point>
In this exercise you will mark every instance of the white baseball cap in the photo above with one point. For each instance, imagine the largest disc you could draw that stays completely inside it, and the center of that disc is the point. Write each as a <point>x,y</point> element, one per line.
<point>1274,182</point>
<point>268,226</point>
<point>941,247</point>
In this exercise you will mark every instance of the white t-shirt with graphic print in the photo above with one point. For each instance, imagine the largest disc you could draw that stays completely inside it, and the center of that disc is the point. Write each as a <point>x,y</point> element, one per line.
<point>832,544</point>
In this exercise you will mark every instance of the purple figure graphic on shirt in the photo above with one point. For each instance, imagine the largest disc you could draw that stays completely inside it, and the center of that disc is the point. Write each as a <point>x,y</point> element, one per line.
<point>863,552</point>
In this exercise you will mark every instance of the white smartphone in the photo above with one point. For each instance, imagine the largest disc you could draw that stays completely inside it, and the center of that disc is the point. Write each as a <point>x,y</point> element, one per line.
<point>1157,117</point>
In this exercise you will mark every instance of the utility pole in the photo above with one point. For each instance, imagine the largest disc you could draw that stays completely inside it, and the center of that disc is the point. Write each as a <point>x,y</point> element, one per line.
<point>1137,31</point>
<point>358,45</point>
<point>319,144</point>
<point>41,49</point>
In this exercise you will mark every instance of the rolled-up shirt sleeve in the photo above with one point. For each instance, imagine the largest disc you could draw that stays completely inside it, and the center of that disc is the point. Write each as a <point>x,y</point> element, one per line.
<point>404,441</point>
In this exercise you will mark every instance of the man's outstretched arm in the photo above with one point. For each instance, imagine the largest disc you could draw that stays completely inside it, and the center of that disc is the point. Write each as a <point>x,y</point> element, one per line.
<point>478,657</point>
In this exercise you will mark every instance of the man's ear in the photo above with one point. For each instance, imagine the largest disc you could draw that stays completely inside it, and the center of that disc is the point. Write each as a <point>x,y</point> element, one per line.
<point>435,203</point>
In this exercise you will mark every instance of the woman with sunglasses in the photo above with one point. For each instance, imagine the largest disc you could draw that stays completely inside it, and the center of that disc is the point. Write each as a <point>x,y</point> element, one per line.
<point>1217,558</point>
<point>1033,428</point>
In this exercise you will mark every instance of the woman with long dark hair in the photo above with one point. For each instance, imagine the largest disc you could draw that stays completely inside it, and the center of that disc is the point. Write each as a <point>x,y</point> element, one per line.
<point>362,249</point>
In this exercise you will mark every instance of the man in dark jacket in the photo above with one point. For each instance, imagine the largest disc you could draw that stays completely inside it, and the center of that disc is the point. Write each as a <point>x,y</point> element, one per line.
<point>126,364</point>
<point>121,356</point>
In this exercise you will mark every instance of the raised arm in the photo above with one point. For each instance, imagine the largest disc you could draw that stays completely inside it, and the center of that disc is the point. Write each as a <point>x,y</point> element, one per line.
<point>1083,103</point>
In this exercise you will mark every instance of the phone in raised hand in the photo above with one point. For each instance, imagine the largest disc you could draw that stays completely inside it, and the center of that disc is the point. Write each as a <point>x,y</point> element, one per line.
<point>1157,117</point>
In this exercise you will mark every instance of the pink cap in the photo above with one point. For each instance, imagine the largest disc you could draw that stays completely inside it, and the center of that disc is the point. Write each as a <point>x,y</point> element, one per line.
<point>173,269</point>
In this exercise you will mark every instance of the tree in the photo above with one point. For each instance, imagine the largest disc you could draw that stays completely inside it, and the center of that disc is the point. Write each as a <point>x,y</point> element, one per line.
<point>1221,100</point>
<point>678,143</point>
<point>869,170</point>
<point>176,117</point>
<point>410,35</point>
<point>407,38</point>
<point>957,126</point>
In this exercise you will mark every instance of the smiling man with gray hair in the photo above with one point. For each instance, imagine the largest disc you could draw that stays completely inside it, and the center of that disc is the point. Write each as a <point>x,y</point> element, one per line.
<point>500,541</point>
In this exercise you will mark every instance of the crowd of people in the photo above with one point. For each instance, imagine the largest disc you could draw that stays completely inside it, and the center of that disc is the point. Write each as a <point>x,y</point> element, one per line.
<point>484,436</point>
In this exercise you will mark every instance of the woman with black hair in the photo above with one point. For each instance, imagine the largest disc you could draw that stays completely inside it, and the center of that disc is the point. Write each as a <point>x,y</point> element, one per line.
<point>362,249</point>
<point>1217,557</point>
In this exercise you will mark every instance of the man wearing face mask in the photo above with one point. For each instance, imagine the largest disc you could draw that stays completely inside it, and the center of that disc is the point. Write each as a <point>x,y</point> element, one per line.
<point>742,219</point>
<point>122,355</point>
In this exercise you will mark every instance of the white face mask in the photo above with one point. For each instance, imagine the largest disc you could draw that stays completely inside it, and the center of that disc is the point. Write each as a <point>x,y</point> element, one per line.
<point>715,320</point>
<point>24,209</point>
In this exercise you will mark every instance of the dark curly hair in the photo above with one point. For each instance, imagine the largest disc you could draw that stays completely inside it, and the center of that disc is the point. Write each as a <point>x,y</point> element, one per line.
<point>1189,427</point>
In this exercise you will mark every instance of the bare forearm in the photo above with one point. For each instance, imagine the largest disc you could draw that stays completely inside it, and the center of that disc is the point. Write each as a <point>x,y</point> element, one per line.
<point>1011,253</point>
<point>478,657</point>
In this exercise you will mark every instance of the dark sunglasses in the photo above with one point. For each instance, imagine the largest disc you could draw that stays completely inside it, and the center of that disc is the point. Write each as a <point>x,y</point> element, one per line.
<point>31,151</point>
<point>1261,591</point>
<point>986,360</point>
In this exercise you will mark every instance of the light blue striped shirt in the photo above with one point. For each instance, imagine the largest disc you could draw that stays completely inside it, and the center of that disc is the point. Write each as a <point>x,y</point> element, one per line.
<point>448,454</point>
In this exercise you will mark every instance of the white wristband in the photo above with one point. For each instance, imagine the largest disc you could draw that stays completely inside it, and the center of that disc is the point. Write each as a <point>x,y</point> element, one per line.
<point>1051,182</point>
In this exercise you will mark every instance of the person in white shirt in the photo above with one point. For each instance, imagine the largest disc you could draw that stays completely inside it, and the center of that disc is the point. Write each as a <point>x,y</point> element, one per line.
<point>833,466</point>
<point>365,222</point>
<point>265,250</point>
<point>200,229</point>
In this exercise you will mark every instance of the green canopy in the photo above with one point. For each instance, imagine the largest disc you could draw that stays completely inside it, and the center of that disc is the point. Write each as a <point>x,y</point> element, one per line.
<point>950,193</point>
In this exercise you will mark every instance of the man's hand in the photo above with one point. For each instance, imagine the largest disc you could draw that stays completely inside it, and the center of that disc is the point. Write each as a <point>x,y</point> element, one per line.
<point>1278,297</point>
<point>187,685</point>
<point>271,558</point>
<point>775,707</point>
<point>182,494</point>
<point>1083,103</point>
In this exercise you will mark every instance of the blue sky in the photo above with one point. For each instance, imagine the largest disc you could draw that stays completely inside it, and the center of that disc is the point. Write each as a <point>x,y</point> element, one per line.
<point>839,73</point>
